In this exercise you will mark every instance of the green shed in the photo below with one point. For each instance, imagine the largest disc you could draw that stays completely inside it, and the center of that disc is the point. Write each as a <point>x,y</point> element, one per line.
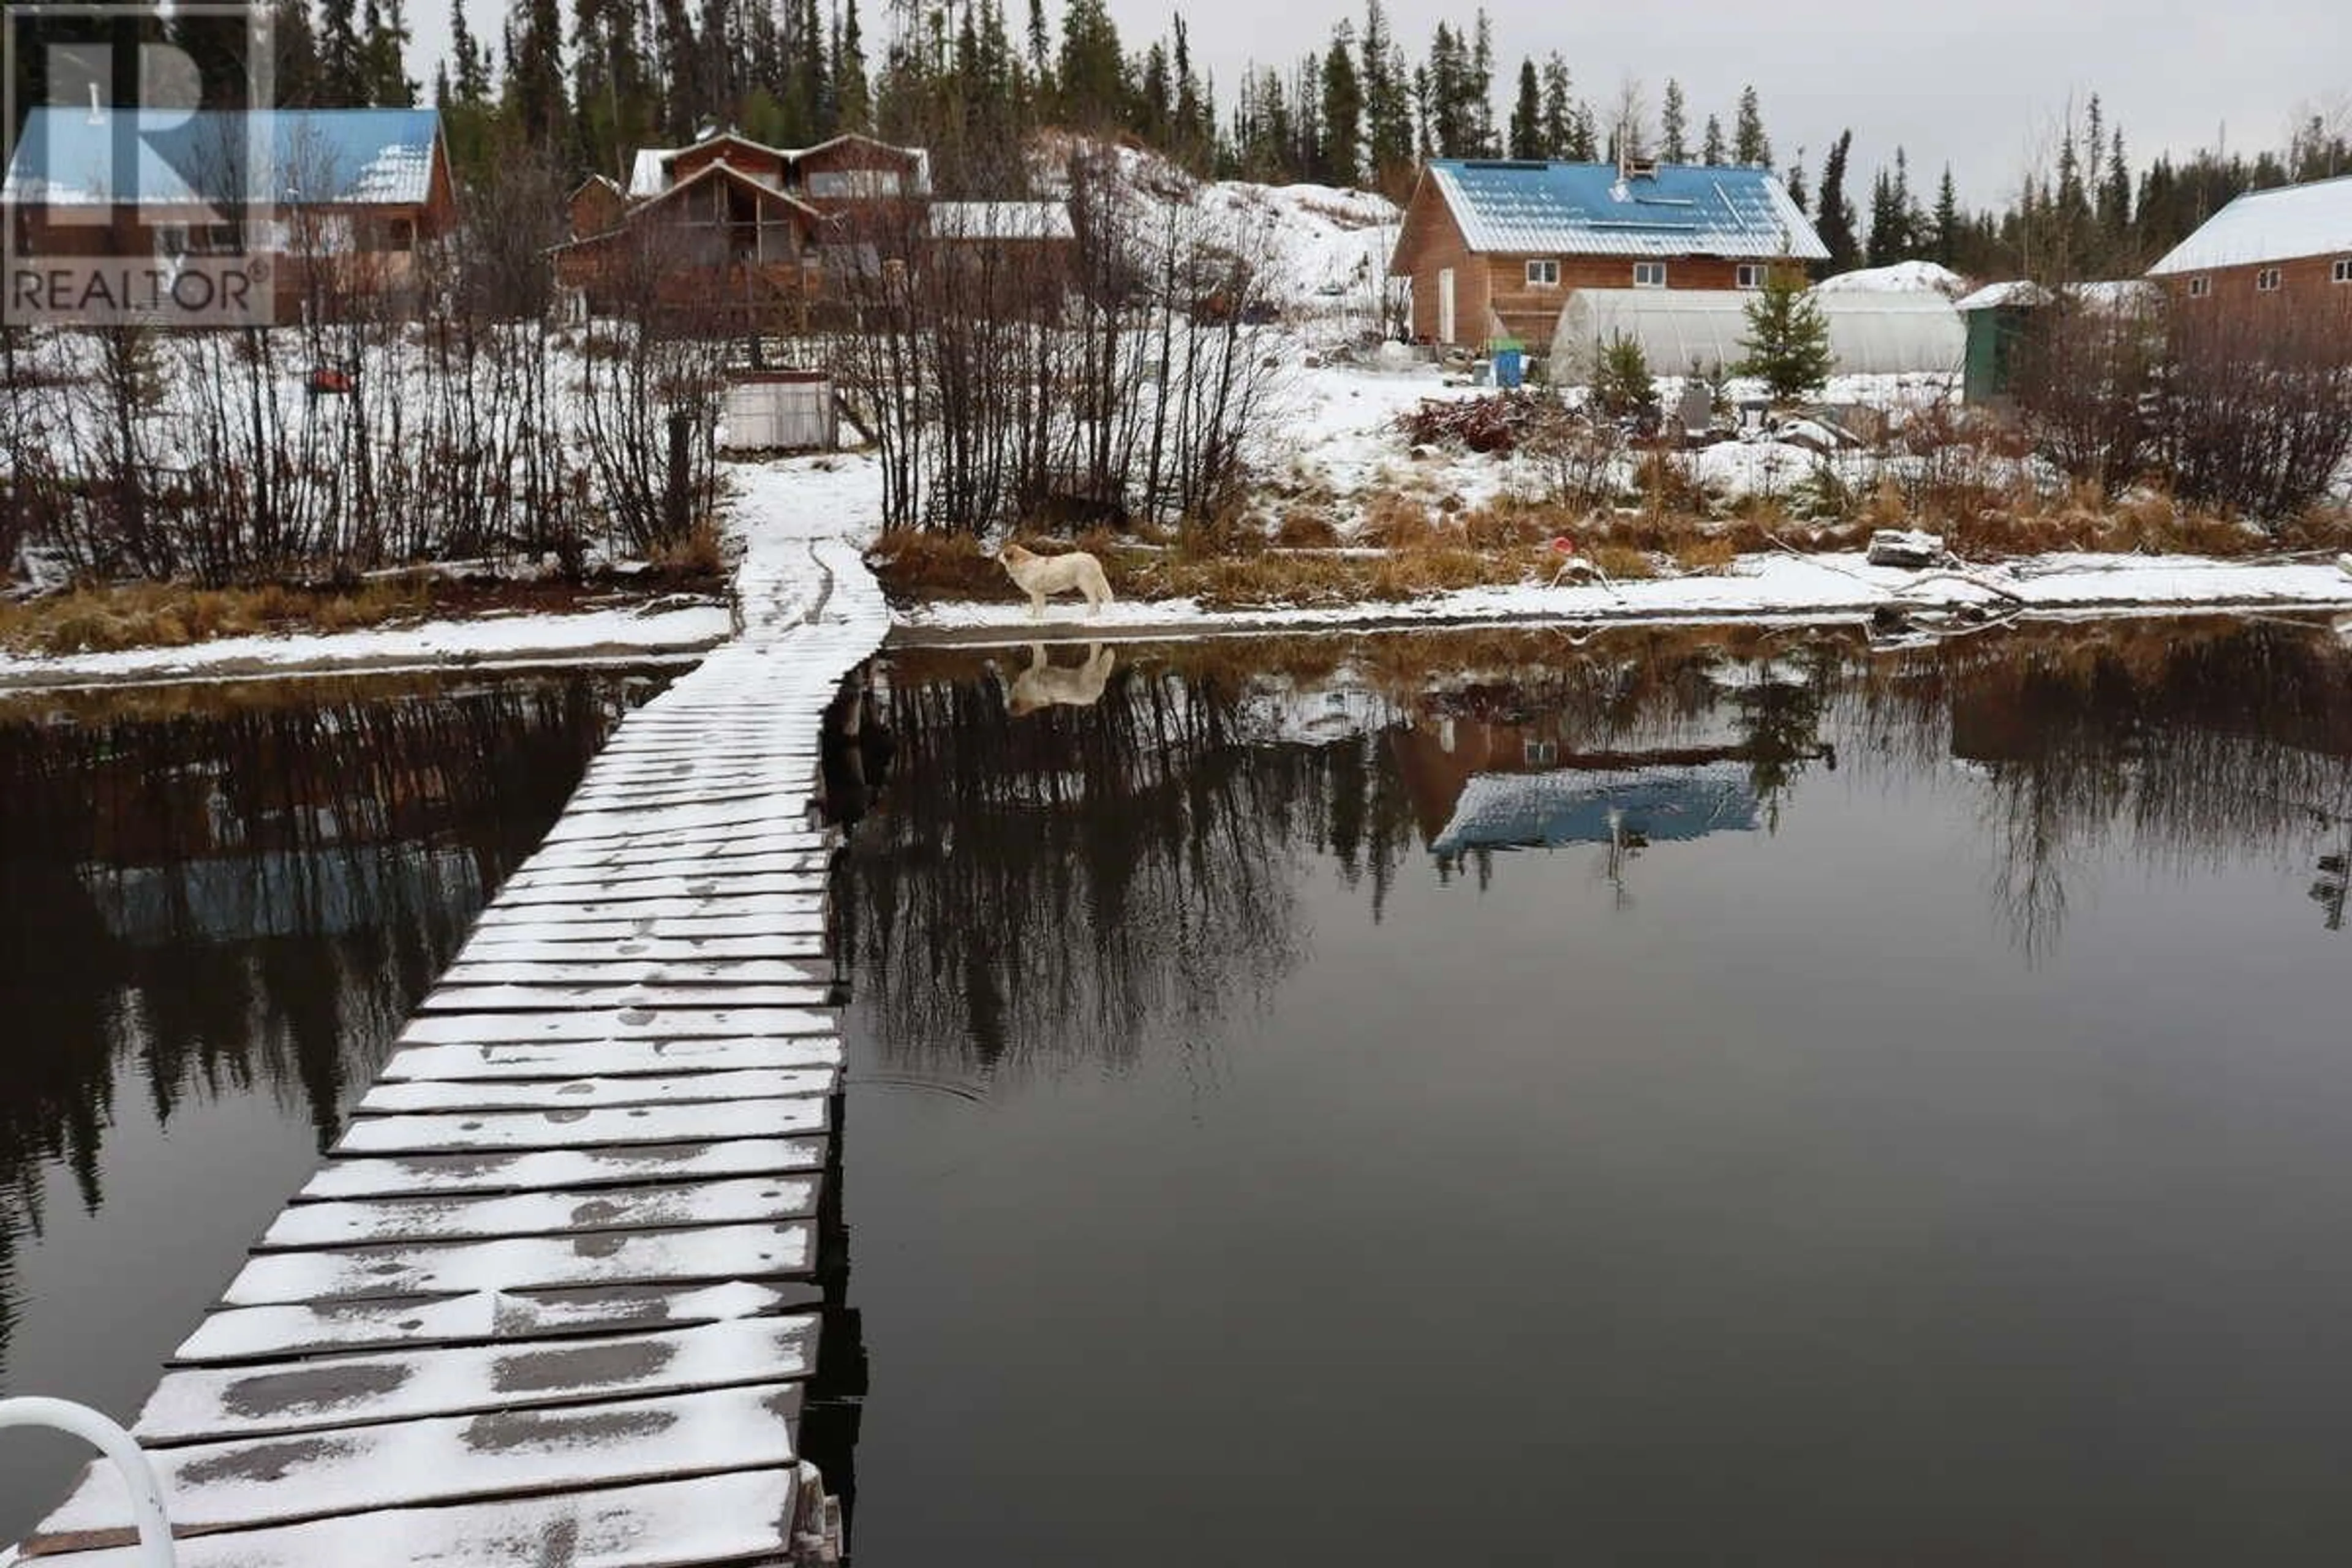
<point>1996,318</point>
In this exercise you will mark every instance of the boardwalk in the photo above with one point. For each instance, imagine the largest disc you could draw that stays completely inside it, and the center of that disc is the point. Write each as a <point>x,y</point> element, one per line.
<point>547,1299</point>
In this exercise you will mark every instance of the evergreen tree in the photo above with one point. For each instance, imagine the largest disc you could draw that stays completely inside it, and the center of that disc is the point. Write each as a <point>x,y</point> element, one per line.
<point>1788,340</point>
<point>1343,110</point>
<point>1388,99</point>
<point>383,56</point>
<point>1194,130</point>
<point>1749,145</point>
<point>852,99</point>
<point>535,103</point>
<point>1674,125</point>
<point>1947,232</point>
<point>1041,59</point>
<point>1711,148</point>
<point>1622,388</point>
<point>1834,218</point>
<point>1557,133</point>
<point>1527,115</point>
<point>294,52</point>
<point>2115,199</point>
<point>1478,88</point>
<point>471,83</point>
<point>1886,240</point>
<point>1797,180</point>
<point>342,79</point>
<point>1090,71</point>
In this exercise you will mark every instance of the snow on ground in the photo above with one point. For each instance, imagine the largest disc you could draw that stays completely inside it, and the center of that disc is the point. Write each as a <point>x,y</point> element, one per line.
<point>1774,586</point>
<point>597,636</point>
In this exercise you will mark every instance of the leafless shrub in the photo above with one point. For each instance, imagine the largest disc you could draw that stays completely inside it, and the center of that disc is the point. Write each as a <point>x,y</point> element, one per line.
<point>2086,383</point>
<point>2258,404</point>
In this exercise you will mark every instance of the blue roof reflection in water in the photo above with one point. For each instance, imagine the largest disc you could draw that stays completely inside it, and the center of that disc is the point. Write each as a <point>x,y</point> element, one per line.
<point>1574,807</point>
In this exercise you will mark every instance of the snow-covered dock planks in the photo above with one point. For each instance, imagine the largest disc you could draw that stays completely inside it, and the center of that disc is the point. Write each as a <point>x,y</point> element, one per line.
<point>549,1297</point>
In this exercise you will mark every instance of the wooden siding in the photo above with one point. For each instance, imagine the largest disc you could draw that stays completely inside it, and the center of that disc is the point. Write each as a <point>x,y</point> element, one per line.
<point>2306,282</point>
<point>1491,293</point>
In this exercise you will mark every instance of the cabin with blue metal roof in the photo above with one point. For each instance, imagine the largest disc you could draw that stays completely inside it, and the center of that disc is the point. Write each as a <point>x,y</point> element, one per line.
<point>1493,246</point>
<point>338,201</point>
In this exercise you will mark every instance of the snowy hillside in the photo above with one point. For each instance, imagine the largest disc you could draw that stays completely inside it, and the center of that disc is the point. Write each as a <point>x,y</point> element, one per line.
<point>1322,244</point>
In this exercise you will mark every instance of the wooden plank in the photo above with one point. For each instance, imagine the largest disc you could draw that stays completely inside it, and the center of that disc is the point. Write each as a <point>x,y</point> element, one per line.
<point>679,927</point>
<point>371,1222</point>
<point>704,1256</point>
<point>583,911</point>
<point>347,1471</point>
<point>426,1095</point>
<point>807,944</point>
<point>469,1132</point>
<point>560,1170</point>
<point>810,863</point>
<point>458,998</point>
<point>236,1335</point>
<point>198,1404</point>
<point>620,1023</point>
<point>639,890</point>
<point>672,820</point>
<point>585,970</point>
<point>737,1518</point>
<point>610,1059</point>
<point>715,851</point>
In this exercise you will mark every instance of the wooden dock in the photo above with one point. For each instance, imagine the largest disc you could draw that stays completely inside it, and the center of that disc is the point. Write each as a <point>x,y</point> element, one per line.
<point>547,1301</point>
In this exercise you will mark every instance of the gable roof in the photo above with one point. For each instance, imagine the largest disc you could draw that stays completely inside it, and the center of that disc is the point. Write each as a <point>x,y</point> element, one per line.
<point>649,167</point>
<point>2280,225</point>
<point>1588,210</point>
<point>296,157</point>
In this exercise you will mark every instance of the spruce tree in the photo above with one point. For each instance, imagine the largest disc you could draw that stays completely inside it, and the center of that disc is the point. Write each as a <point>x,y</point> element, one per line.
<point>1947,240</point>
<point>294,52</point>
<point>1388,99</point>
<point>1888,237</point>
<point>1797,181</point>
<point>1090,73</point>
<point>1557,131</point>
<point>1674,125</point>
<point>852,98</point>
<point>1788,340</point>
<point>1711,148</point>
<point>1749,145</point>
<point>342,58</point>
<point>1527,115</point>
<point>1343,110</point>
<point>1478,89</point>
<point>1834,217</point>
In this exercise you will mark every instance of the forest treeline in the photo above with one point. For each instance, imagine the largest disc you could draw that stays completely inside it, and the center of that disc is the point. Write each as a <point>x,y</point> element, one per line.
<point>598,78</point>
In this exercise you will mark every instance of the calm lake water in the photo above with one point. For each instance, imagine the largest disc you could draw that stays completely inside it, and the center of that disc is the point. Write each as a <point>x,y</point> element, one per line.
<point>216,907</point>
<point>1678,1097</point>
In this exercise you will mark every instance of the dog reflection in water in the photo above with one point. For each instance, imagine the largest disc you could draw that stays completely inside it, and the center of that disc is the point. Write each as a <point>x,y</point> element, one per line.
<point>1044,685</point>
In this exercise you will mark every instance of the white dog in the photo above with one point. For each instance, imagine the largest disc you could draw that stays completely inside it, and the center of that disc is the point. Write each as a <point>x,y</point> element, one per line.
<point>1043,684</point>
<point>1072,572</point>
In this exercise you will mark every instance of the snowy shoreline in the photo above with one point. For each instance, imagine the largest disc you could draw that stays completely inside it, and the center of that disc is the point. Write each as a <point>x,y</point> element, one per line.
<point>1770,587</point>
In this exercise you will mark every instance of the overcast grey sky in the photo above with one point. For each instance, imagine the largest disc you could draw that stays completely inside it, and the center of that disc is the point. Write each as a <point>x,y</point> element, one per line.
<point>1979,87</point>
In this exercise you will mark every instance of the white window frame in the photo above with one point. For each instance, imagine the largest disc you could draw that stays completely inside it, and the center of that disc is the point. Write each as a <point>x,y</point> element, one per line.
<point>1649,274</point>
<point>1543,273</point>
<point>2200,287</point>
<point>2343,273</point>
<point>2267,280</point>
<point>1751,274</point>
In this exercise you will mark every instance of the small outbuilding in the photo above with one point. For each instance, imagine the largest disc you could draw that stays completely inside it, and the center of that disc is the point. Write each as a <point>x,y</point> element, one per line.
<point>1998,317</point>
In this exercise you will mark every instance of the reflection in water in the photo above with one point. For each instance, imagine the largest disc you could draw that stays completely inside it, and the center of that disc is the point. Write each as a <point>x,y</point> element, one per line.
<point>1796,1203</point>
<point>231,893</point>
<point>1044,685</point>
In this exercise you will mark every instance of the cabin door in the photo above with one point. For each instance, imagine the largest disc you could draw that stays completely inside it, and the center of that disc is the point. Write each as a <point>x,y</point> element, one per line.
<point>1445,304</point>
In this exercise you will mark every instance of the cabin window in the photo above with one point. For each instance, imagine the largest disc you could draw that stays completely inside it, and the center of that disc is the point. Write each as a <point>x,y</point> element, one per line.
<point>2200,287</point>
<point>1751,274</point>
<point>840,183</point>
<point>2343,270</point>
<point>1541,753</point>
<point>1543,274</point>
<point>1649,274</point>
<point>2266,281</point>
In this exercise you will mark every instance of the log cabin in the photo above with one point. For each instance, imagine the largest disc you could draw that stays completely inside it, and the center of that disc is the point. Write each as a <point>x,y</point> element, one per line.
<point>2289,248</point>
<point>1493,246</point>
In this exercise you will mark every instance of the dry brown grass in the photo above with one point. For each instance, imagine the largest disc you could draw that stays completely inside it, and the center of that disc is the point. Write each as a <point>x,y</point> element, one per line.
<point>1305,528</point>
<point>1705,555</point>
<point>164,614</point>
